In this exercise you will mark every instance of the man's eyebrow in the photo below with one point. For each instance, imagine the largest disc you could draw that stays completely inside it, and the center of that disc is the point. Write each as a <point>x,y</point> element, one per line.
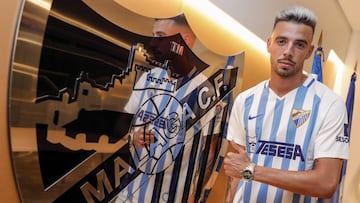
<point>302,41</point>
<point>159,33</point>
<point>280,37</point>
<point>296,40</point>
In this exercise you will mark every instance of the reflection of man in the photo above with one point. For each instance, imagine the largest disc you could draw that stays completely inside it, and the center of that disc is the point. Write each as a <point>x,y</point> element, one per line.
<point>164,154</point>
<point>287,131</point>
<point>160,46</point>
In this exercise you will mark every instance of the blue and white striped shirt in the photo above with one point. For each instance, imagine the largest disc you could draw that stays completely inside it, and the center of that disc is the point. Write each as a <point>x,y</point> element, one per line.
<point>287,133</point>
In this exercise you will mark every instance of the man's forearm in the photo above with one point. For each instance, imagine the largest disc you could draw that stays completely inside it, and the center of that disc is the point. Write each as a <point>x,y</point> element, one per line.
<point>318,182</point>
<point>231,189</point>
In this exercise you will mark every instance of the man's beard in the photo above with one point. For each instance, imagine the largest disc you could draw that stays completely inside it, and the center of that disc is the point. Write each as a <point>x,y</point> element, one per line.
<point>286,72</point>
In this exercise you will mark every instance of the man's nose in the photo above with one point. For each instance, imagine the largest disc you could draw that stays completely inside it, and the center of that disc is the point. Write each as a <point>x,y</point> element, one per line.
<point>289,50</point>
<point>154,41</point>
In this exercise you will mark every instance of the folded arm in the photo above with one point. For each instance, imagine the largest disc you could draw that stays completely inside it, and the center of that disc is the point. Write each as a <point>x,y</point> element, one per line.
<point>321,181</point>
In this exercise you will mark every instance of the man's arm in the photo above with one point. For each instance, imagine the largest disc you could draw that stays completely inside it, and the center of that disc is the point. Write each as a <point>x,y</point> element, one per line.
<point>318,182</point>
<point>231,189</point>
<point>232,182</point>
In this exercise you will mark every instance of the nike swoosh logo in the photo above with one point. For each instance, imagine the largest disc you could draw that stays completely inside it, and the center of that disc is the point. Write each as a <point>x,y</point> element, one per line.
<point>253,117</point>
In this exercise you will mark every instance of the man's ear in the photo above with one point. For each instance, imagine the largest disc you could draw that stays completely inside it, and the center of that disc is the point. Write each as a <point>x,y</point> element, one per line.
<point>187,38</point>
<point>268,43</point>
<point>311,49</point>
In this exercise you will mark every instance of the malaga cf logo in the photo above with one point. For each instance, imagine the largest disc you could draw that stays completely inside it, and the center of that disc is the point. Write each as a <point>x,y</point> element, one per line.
<point>69,121</point>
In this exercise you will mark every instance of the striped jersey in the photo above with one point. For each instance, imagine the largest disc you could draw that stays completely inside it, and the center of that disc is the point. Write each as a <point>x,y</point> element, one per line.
<point>287,133</point>
<point>166,169</point>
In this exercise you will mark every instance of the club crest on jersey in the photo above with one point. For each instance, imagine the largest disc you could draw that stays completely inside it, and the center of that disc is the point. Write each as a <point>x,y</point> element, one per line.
<point>300,116</point>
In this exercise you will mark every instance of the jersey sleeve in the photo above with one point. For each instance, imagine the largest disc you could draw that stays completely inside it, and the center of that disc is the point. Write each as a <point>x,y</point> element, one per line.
<point>331,142</point>
<point>236,126</point>
<point>134,101</point>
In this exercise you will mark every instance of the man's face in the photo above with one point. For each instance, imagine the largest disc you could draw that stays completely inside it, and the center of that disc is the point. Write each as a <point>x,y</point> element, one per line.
<point>161,43</point>
<point>289,46</point>
<point>164,28</point>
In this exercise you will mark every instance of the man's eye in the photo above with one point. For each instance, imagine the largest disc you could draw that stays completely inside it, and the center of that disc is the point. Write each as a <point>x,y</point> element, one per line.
<point>158,34</point>
<point>300,45</point>
<point>281,42</point>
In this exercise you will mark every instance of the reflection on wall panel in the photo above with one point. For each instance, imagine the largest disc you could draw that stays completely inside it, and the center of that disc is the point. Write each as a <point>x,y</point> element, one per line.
<point>75,77</point>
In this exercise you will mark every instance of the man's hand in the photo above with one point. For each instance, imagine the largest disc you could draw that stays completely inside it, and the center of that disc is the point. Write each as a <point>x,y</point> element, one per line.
<point>142,137</point>
<point>235,162</point>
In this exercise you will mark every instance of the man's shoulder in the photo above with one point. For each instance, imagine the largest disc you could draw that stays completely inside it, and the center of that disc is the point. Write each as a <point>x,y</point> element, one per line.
<point>324,91</point>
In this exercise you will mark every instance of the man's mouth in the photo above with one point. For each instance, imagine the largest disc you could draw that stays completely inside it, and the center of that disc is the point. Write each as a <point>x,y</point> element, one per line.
<point>286,61</point>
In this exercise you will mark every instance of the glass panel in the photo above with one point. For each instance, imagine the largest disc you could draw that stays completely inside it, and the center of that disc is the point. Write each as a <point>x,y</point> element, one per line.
<point>86,74</point>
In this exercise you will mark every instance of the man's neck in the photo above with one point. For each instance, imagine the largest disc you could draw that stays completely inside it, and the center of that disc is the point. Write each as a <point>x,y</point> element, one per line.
<point>283,85</point>
<point>191,71</point>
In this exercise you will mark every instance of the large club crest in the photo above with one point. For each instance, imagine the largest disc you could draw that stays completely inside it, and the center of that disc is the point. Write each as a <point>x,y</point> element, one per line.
<point>68,125</point>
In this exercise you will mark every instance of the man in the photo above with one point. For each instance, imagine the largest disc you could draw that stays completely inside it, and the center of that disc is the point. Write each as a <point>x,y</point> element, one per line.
<point>163,145</point>
<point>286,131</point>
<point>163,28</point>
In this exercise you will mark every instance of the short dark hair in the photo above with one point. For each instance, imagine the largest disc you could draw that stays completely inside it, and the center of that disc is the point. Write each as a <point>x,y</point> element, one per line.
<point>297,14</point>
<point>179,19</point>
